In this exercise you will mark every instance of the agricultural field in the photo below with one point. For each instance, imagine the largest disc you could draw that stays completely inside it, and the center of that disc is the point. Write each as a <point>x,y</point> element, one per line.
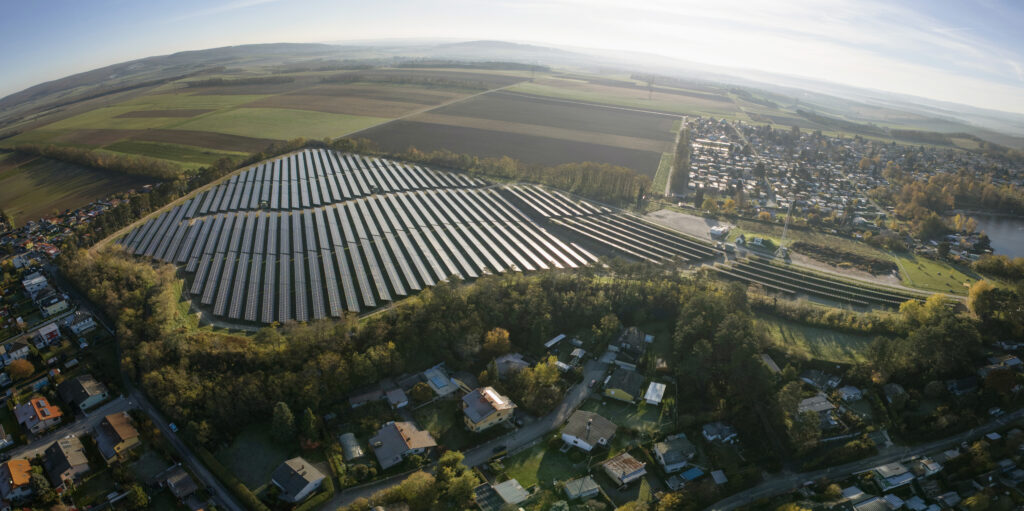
<point>536,130</point>
<point>37,187</point>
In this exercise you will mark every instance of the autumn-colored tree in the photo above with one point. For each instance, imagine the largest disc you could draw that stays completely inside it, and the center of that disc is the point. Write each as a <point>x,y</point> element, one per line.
<point>496,343</point>
<point>20,369</point>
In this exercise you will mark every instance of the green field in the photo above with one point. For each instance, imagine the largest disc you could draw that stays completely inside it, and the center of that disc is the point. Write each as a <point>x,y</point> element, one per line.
<point>174,152</point>
<point>812,342</point>
<point>253,456</point>
<point>42,187</point>
<point>647,419</point>
<point>444,422</point>
<point>279,123</point>
<point>924,273</point>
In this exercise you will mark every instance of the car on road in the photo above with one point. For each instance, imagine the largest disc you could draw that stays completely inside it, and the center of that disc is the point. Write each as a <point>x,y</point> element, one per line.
<point>995,411</point>
<point>592,382</point>
<point>174,427</point>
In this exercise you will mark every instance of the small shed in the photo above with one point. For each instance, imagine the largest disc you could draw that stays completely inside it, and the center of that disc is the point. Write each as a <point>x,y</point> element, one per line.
<point>655,393</point>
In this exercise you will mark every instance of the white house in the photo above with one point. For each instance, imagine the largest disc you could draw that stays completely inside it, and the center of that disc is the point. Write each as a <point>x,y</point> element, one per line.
<point>297,479</point>
<point>587,430</point>
<point>719,432</point>
<point>655,393</point>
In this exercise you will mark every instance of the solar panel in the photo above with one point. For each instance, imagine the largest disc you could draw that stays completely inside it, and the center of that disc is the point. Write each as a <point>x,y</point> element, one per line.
<point>381,175</point>
<point>303,181</point>
<point>269,282</point>
<point>247,193</point>
<point>410,181</point>
<point>291,192</point>
<point>193,206</point>
<point>199,279</point>
<point>167,253</point>
<point>252,297</point>
<point>316,287</point>
<point>238,295</point>
<point>399,179</point>
<point>284,289</point>
<point>441,234</point>
<point>202,240</point>
<point>449,265</point>
<point>357,174</point>
<point>272,232</point>
<point>543,258</point>
<point>358,270</point>
<point>225,200</point>
<point>299,265</point>
<point>260,242</point>
<point>511,232</point>
<point>208,198</point>
<point>414,174</point>
<point>406,227</point>
<point>385,258</point>
<point>188,243</point>
<point>213,279</point>
<point>369,174</point>
<point>426,177</point>
<point>410,250</point>
<point>248,234</point>
<point>345,272</point>
<point>236,196</point>
<point>467,247</point>
<point>331,177</point>
<point>156,235</point>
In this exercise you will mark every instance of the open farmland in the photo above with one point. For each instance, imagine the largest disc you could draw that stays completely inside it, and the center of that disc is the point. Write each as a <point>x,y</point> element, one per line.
<point>36,187</point>
<point>317,233</point>
<point>535,130</point>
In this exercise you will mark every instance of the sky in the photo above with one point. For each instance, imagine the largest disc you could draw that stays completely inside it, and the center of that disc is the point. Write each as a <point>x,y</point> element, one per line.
<point>962,51</point>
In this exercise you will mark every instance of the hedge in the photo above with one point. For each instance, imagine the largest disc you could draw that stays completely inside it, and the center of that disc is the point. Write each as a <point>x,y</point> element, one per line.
<point>234,485</point>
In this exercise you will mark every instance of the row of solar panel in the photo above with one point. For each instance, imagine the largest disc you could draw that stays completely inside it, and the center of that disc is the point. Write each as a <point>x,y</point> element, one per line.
<point>354,256</point>
<point>316,177</point>
<point>620,232</point>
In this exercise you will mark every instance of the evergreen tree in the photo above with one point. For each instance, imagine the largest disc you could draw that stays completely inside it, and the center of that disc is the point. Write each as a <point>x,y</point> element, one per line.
<point>283,425</point>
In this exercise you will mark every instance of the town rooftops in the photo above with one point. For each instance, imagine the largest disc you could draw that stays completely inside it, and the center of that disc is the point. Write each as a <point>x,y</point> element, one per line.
<point>589,427</point>
<point>511,491</point>
<point>79,389</point>
<point>623,465</point>
<point>655,393</point>
<point>581,487</point>
<point>19,471</point>
<point>629,381</point>
<point>39,408</point>
<point>439,381</point>
<point>675,450</point>
<point>816,404</point>
<point>394,439</point>
<point>484,401</point>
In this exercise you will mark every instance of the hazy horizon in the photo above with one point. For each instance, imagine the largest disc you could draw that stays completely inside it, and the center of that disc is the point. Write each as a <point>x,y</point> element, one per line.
<point>971,54</point>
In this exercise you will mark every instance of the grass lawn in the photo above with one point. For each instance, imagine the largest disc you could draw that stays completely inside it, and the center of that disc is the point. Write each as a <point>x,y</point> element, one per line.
<point>253,456</point>
<point>163,501</point>
<point>94,489</point>
<point>443,420</point>
<point>812,342</point>
<point>540,465</point>
<point>661,176</point>
<point>279,123</point>
<point>10,425</point>
<point>924,273</point>
<point>188,155</point>
<point>647,419</point>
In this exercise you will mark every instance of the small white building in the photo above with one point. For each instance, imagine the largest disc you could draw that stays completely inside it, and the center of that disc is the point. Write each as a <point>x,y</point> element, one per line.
<point>655,393</point>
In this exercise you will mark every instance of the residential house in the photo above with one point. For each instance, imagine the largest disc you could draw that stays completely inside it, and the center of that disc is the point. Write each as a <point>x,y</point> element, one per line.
<point>674,453</point>
<point>496,497</point>
<point>83,392</point>
<point>718,476</point>
<point>1011,362</point>
<point>34,283</point>
<point>871,504</point>
<point>581,489</point>
<point>925,467</point>
<point>655,393</point>
<point>396,440</point>
<point>81,322</point>
<point>350,448</point>
<point>439,381</point>
<point>15,350</point>
<point>587,430</point>
<point>46,335</point>
<point>397,398</point>
<point>178,482</point>
<point>850,393</point>
<point>892,476</point>
<point>65,461</point>
<point>37,415</point>
<point>577,355</point>
<point>14,480</point>
<point>297,479</point>
<point>821,406</point>
<point>52,304</point>
<point>485,407</point>
<point>719,432</point>
<point>632,341</point>
<point>116,437</point>
<point>510,363</point>
<point>624,468</point>
<point>852,493</point>
<point>624,385</point>
<point>819,379</point>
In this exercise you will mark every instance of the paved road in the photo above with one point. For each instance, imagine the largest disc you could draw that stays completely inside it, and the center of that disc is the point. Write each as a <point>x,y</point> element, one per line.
<point>789,482</point>
<point>593,370</point>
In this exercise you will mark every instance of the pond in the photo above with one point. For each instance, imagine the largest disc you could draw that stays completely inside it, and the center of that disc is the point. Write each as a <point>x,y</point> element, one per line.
<point>1006,233</point>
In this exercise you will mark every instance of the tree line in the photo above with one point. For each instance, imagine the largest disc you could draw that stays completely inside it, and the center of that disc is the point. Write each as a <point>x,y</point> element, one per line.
<point>124,164</point>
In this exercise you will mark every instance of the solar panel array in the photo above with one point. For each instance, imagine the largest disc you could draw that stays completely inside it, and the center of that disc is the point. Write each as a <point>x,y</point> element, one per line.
<point>619,232</point>
<point>317,233</point>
